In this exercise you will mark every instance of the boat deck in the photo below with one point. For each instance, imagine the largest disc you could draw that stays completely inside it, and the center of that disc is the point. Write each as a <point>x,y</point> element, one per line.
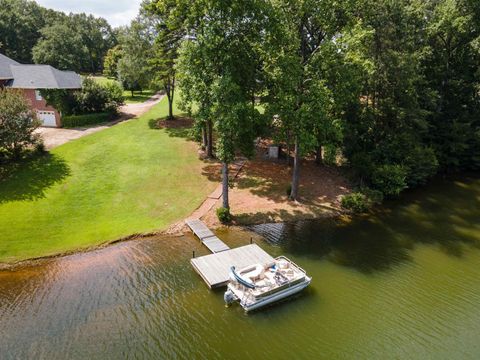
<point>215,268</point>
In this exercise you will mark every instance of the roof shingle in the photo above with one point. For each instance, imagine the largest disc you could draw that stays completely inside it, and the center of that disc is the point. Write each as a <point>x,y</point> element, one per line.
<point>36,76</point>
<point>5,72</point>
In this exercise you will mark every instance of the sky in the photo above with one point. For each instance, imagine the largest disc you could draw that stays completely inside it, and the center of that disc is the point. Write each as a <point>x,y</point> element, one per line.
<point>117,12</point>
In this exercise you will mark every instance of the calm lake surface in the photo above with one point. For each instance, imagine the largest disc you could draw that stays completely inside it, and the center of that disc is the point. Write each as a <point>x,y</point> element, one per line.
<point>403,284</point>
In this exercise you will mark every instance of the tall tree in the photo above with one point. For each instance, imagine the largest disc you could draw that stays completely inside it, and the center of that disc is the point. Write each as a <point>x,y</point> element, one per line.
<point>24,26</point>
<point>61,46</point>
<point>170,32</point>
<point>452,69</point>
<point>385,135</point>
<point>20,24</point>
<point>110,62</point>
<point>97,37</point>
<point>298,93</point>
<point>224,50</point>
<point>136,41</point>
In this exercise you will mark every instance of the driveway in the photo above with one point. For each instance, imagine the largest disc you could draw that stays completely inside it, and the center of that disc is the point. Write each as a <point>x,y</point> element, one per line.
<point>53,137</point>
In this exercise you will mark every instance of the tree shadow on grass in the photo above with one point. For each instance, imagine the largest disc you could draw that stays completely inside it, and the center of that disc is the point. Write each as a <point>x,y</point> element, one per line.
<point>180,127</point>
<point>31,178</point>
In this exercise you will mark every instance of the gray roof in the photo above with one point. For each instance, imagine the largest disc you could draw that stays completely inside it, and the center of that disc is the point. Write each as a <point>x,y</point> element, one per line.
<point>5,72</point>
<point>37,76</point>
<point>43,77</point>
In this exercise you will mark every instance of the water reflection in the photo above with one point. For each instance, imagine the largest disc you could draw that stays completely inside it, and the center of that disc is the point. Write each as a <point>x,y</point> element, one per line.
<point>449,219</point>
<point>402,283</point>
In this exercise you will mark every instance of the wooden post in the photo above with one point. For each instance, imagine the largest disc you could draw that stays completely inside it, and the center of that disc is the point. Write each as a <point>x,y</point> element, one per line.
<point>194,254</point>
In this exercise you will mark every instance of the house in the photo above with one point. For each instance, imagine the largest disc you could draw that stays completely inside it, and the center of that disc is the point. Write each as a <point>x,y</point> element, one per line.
<point>30,79</point>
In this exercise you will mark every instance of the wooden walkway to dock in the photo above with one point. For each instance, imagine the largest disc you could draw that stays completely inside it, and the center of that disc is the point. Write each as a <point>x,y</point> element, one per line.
<point>215,268</point>
<point>206,236</point>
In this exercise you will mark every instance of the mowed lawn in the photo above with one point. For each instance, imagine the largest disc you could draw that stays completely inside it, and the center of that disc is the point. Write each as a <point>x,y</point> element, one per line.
<point>128,179</point>
<point>137,98</point>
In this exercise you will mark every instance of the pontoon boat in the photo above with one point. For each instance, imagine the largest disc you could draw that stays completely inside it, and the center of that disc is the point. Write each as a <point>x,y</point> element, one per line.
<point>259,285</point>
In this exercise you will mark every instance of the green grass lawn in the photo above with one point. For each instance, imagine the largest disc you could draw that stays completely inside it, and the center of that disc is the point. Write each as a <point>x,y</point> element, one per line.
<point>128,179</point>
<point>138,97</point>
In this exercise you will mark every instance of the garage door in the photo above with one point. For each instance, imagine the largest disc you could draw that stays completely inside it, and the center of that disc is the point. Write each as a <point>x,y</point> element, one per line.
<point>47,118</point>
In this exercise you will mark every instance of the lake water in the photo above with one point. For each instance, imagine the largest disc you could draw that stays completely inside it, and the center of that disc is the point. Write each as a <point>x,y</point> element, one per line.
<point>403,283</point>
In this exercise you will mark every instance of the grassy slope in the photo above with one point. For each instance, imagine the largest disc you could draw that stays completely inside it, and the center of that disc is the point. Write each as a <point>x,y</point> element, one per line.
<point>129,99</point>
<point>123,180</point>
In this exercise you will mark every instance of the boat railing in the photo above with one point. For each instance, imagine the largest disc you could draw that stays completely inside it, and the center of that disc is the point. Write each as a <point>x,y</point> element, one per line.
<point>294,264</point>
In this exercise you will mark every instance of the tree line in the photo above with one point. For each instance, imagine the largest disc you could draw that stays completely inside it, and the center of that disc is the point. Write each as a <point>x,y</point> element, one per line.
<point>30,33</point>
<point>393,85</point>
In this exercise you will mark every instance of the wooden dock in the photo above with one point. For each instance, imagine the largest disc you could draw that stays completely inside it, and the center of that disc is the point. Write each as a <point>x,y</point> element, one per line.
<point>206,236</point>
<point>215,268</point>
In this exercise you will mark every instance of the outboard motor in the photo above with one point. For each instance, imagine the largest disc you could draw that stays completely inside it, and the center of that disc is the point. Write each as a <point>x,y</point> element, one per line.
<point>229,297</point>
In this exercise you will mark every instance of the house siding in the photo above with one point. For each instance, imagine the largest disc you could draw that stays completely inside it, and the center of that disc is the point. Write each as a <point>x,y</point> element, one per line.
<point>41,105</point>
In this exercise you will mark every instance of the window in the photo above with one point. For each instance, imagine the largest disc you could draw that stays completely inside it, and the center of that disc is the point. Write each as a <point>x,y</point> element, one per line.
<point>38,96</point>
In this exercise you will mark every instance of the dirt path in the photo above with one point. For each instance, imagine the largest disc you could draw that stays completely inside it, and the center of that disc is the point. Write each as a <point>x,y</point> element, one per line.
<point>134,110</point>
<point>53,137</point>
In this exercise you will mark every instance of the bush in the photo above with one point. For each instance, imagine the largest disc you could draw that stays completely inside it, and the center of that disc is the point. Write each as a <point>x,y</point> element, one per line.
<point>422,164</point>
<point>362,163</point>
<point>374,196</point>
<point>356,202</point>
<point>390,179</point>
<point>17,124</point>
<point>97,98</point>
<point>92,98</point>
<point>330,154</point>
<point>114,97</point>
<point>289,189</point>
<point>224,215</point>
<point>84,120</point>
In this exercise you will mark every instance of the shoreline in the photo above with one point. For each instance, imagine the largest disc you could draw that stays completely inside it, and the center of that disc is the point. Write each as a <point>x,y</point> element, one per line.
<point>257,197</point>
<point>177,229</point>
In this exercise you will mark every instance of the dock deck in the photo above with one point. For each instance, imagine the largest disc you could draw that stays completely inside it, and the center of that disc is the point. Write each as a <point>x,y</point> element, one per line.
<point>206,236</point>
<point>215,268</point>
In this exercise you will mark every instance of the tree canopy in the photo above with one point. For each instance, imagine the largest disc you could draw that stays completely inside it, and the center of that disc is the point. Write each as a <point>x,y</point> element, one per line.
<point>30,33</point>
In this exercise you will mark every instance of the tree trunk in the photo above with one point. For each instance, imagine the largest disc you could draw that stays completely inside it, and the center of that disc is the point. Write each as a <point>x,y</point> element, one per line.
<point>226,203</point>
<point>204,137</point>
<point>171,95</point>
<point>296,171</point>
<point>170,107</point>
<point>289,149</point>
<point>210,139</point>
<point>318,155</point>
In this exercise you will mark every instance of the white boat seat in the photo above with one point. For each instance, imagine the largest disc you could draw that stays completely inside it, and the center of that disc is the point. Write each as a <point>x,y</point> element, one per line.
<point>254,272</point>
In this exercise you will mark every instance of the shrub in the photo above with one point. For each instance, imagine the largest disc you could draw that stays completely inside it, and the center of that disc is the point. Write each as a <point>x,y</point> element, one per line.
<point>40,148</point>
<point>356,202</point>
<point>330,154</point>
<point>422,164</point>
<point>374,196</point>
<point>84,120</point>
<point>362,163</point>
<point>390,179</point>
<point>224,215</point>
<point>289,189</point>
<point>96,98</point>
<point>18,122</point>
<point>92,98</point>
<point>114,97</point>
